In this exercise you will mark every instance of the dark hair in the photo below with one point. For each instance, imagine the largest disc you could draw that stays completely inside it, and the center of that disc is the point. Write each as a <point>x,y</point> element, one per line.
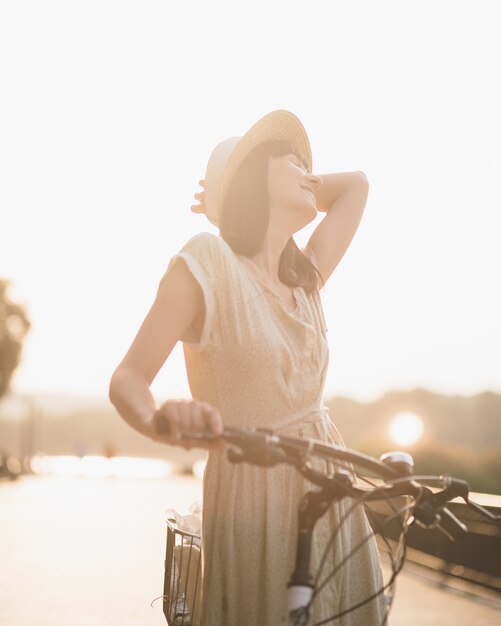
<point>245,216</point>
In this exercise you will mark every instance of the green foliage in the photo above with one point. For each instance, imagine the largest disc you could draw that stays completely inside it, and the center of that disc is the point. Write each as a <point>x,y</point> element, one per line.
<point>14,325</point>
<point>481,468</point>
<point>462,434</point>
<point>470,421</point>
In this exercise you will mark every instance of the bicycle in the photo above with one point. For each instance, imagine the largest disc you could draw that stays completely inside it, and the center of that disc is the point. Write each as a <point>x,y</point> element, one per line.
<point>425,504</point>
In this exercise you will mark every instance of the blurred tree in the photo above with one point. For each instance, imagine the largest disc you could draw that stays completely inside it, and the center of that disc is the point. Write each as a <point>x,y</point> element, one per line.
<point>14,325</point>
<point>480,468</point>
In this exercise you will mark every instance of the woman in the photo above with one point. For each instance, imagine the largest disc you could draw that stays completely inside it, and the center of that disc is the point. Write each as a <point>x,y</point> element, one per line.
<point>247,308</point>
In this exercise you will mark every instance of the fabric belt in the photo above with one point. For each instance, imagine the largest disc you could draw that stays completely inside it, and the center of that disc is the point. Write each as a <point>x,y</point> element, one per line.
<point>313,414</point>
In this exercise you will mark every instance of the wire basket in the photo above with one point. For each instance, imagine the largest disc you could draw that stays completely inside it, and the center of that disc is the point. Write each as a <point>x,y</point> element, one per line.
<point>182,578</point>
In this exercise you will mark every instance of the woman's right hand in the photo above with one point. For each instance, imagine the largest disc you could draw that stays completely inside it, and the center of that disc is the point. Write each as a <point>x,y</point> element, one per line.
<point>188,416</point>
<point>200,196</point>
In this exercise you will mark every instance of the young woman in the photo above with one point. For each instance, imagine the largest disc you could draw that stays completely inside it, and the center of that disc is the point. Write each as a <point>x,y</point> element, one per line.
<point>246,306</point>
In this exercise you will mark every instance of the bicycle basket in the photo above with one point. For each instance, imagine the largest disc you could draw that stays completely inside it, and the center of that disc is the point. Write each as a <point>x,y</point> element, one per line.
<point>182,578</point>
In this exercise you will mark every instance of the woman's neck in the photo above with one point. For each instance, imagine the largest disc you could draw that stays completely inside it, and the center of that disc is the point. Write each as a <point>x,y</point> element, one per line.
<point>267,260</point>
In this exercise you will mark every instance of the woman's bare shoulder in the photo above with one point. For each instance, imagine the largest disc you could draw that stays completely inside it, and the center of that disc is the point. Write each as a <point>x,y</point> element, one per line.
<point>205,240</point>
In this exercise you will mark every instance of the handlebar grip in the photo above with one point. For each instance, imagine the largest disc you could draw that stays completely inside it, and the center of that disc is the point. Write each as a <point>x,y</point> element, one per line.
<point>451,526</point>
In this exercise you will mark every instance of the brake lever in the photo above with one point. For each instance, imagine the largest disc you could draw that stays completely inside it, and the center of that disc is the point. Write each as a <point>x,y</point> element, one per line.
<point>480,509</point>
<point>454,488</point>
<point>450,525</point>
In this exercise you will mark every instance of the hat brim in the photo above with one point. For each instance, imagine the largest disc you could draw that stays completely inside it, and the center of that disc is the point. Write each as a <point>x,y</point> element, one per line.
<point>278,125</point>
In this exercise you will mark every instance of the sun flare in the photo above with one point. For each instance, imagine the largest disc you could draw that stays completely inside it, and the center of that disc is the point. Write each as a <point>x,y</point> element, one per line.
<point>406,428</point>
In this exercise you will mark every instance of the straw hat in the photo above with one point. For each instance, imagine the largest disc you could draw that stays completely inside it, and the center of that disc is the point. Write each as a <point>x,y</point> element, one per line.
<point>228,155</point>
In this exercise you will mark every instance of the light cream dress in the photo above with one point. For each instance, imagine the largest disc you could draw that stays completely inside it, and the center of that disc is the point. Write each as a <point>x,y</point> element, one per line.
<point>263,366</point>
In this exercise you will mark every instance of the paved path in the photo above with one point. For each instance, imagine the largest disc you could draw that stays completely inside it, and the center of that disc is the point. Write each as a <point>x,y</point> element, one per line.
<point>89,552</point>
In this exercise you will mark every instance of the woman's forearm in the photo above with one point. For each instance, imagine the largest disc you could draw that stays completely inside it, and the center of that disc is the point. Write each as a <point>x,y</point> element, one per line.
<point>131,396</point>
<point>334,185</point>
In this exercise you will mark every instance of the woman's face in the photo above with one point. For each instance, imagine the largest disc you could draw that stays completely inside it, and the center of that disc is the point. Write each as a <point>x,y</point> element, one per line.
<point>291,191</point>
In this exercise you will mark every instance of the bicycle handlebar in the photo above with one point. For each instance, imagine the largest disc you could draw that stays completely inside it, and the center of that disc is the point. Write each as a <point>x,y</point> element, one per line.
<point>264,437</point>
<point>266,448</point>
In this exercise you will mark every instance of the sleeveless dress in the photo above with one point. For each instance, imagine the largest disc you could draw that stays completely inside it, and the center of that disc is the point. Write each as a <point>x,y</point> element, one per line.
<point>263,366</point>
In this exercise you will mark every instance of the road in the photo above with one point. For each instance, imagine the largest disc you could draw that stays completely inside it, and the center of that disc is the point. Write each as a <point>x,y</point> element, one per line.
<point>89,552</point>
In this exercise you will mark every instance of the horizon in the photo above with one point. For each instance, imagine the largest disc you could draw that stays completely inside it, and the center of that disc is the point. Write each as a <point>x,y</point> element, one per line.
<point>49,395</point>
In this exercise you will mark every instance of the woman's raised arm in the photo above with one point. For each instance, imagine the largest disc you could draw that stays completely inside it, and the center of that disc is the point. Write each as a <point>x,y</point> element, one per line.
<point>342,196</point>
<point>178,305</point>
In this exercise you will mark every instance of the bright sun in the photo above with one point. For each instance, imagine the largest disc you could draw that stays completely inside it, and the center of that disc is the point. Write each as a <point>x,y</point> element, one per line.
<point>406,428</point>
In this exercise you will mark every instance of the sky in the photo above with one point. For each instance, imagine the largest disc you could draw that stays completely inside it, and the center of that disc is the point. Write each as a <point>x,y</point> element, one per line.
<point>108,114</point>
